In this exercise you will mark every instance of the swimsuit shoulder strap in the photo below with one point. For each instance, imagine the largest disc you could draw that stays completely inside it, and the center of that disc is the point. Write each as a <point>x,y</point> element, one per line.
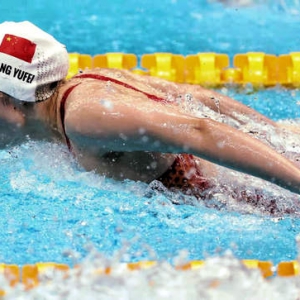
<point>62,110</point>
<point>124,84</point>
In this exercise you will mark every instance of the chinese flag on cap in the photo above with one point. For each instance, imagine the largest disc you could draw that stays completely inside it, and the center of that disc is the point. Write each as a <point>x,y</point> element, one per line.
<point>18,47</point>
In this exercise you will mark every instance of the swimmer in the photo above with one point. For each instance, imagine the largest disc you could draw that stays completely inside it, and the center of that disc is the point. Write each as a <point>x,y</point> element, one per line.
<point>127,126</point>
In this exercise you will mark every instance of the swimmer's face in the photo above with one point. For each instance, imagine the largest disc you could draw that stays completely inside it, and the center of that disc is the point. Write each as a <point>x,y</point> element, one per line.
<point>11,122</point>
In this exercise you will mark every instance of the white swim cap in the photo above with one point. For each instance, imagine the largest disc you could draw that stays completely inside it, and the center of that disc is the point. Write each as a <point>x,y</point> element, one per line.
<point>31,61</point>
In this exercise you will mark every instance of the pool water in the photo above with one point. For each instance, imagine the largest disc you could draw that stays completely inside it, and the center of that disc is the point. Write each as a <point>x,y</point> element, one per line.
<point>176,26</point>
<point>52,210</point>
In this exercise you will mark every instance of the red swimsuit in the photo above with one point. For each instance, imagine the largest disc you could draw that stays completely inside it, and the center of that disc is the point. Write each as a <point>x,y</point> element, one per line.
<point>183,174</point>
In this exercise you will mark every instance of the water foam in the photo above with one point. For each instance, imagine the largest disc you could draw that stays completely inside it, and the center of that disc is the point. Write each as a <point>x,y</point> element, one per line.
<point>219,278</point>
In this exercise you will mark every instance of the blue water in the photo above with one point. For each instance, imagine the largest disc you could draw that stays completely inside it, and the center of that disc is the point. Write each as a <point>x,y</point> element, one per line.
<point>52,210</point>
<point>177,26</point>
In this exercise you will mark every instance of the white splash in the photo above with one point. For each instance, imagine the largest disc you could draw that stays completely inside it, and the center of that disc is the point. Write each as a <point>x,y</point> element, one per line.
<point>99,278</point>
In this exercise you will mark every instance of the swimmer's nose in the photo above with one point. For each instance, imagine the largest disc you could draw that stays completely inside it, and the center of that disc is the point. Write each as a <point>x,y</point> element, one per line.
<point>11,115</point>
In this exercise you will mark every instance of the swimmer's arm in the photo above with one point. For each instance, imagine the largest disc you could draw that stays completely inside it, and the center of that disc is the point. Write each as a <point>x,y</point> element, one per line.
<point>224,145</point>
<point>159,128</point>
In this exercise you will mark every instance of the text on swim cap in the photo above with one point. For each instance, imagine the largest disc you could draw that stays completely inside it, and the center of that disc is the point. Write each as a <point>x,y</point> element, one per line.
<point>16,73</point>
